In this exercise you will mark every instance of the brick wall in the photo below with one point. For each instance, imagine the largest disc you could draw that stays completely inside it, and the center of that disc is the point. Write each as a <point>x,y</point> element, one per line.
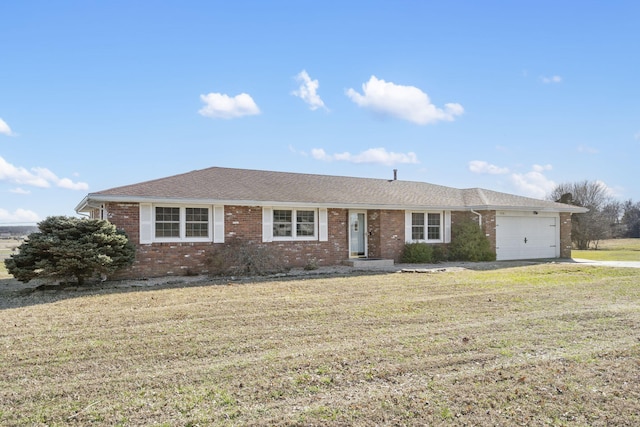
<point>391,234</point>
<point>245,224</point>
<point>488,223</point>
<point>385,239</point>
<point>158,259</point>
<point>241,222</point>
<point>565,235</point>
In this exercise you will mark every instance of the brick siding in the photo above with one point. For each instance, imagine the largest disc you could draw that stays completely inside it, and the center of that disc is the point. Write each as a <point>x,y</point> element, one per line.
<point>240,222</point>
<point>488,223</point>
<point>385,239</point>
<point>565,235</point>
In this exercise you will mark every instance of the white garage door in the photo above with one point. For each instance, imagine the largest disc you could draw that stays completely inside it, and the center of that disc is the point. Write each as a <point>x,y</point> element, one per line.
<point>527,237</point>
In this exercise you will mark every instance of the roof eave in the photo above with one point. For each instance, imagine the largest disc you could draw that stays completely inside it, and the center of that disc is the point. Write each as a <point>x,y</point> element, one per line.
<point>569,209</point>
<point>94,199</point>
<point>100,198</point>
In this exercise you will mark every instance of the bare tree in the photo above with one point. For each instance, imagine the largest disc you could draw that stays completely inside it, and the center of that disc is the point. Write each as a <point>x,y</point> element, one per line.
<point>631,218</point>
<point>592,226</point>
<point>613,213</point>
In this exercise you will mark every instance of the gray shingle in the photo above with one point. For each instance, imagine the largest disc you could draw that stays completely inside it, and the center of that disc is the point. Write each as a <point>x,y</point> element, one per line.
<point>244,186</point>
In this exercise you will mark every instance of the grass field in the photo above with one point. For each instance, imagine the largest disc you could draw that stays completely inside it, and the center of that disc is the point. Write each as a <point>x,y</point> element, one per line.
<point>553,344</point>
<point>612,250</point>
<point>6,249</point>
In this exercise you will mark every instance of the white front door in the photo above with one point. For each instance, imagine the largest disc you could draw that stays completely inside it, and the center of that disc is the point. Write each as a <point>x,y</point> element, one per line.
<point>357,234</point>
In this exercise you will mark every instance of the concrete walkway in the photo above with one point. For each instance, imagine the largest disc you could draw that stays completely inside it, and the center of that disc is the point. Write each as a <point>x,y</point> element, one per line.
<point>628,264</point>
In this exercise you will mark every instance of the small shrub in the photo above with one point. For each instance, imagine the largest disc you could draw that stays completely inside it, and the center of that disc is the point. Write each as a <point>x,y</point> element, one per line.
<point>66,247</point>
<point>241,258</point>
<point>468,243</point>
<point>439,254</point>
<point>417,253</point>
<point>312,264</point>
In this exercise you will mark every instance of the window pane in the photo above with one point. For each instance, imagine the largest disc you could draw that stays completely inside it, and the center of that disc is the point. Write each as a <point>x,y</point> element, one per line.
<point>167,229</point>
<point>281,216</point>
<point>197,214</point>
<point>168,214</point>
<point>305,223</point>
<point>197,222</point>
<point>282,225</point>
<point>195,229</point>
<point>167,222</point>
<point>417,218</point>
<point>433,232</point>
<point>417,226</point>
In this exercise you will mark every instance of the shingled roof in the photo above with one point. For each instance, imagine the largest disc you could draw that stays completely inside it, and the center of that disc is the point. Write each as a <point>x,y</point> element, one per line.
<point>229,186</point>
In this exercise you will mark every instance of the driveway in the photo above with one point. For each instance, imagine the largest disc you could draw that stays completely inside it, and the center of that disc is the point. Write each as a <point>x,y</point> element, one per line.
<point>629,264</point>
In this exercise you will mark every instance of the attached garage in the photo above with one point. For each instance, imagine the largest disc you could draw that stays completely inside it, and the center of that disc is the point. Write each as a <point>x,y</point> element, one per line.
<point>527,235</point>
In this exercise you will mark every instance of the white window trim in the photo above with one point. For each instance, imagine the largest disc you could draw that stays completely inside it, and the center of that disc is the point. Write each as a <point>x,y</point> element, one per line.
<point>148,224</point>
<point>409,227</point>
<point>321,232</point>
<point>293,236</point>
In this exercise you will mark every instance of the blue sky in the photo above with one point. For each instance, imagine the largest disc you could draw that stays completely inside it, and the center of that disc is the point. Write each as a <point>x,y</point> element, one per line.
<point>509,96</point>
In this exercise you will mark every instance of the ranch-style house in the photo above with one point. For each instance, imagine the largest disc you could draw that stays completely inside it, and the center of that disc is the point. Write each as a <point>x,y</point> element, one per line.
<point>176,222</point>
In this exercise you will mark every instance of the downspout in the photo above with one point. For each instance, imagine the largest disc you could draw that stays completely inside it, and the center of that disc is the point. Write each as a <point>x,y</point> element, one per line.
<point>479,217</point>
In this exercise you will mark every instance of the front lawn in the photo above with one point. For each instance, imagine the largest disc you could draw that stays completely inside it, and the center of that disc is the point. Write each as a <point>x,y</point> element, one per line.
<point>553,344</point>
<point>612,250</point>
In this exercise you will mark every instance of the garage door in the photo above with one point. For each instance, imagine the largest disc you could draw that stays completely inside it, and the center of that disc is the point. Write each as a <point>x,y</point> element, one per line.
<point>526,237</point>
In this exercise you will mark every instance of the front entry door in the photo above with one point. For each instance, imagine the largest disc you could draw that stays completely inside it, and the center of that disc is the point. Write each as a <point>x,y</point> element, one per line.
<point>357,234</point>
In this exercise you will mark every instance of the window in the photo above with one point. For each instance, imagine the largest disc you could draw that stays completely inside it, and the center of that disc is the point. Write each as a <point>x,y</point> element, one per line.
<point>197,222</point>
<point>305,223</point>
<point>285,221</point>
<point>182,223</point>
<point>417,226</point>
<point>426,226</point>
<point>167,222</point>
<point>433,226</point>
<point>282,224</point>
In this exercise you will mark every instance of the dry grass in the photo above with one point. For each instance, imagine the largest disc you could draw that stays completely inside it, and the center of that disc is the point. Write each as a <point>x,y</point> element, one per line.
<point>542,345</point>
<point>6,249</point>
<point>612,250</point>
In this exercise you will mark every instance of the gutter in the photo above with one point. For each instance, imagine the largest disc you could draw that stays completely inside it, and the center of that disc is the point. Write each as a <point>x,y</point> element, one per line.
<point>91,199</point>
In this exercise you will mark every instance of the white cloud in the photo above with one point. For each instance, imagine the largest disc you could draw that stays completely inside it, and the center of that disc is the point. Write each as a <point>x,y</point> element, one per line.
<point>637,136</point>
<point>552,79</point>
<point>588,150</point>
<point>296,151</point>
<point>308,91</point>
<point>19,190</point>
<point>541,168</point>
<point>610,191</point>
<point>221,106</point>
<point>5,129</point>
<point>320,154</point>
<point>20,215</point>
<point>404,102</point>
<point>534,183</point>
<point>36,177</point>
<point>480,166</point>
<point>372,155</point>
<point>70,185</point>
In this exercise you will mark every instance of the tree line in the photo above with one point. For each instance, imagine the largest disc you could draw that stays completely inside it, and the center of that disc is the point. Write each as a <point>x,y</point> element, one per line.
<point>607,218</point>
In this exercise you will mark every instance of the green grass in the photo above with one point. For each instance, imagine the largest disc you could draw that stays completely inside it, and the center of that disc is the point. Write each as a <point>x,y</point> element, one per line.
<point>553,344</point>
<point>612,250</point>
